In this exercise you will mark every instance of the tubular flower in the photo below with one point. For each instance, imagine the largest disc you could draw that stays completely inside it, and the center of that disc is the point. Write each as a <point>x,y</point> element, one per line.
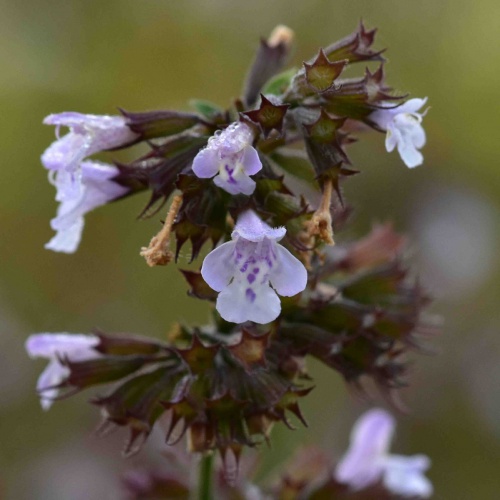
<point>230,157</point>
<point>403,125</point>
<point>368,459</point>
<point>251,270</point>
<point>55,347</point>
<point>88,134</point>
<point>96,188</point>
<point>81,186</point>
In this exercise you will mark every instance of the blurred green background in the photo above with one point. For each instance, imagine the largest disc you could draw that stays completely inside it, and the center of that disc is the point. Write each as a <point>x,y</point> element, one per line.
<point>92,56</point>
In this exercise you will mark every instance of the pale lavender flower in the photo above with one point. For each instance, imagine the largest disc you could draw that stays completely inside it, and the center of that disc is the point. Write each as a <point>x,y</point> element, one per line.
<point>95,188</point>
<point>88,134</point>
<point>404,130</point>
<point>230,157</point>
<point>250,270</point>
<point>368,459</point>
<point>81,186</point>
<point>54,347</point>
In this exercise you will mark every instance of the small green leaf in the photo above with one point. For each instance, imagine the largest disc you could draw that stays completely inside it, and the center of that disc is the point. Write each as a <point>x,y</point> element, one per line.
<point>296,163</point>
<point>280,83</point>
<point>206,108</point>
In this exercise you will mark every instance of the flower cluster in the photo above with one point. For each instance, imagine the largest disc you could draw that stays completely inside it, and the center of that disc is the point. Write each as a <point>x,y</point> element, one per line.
<point>367,471</point>
<point>262,181</point>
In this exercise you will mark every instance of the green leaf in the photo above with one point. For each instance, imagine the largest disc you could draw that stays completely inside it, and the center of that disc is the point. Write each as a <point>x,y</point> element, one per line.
<point>296,163</point>
<point>280,83</point>
<point>206,108</point>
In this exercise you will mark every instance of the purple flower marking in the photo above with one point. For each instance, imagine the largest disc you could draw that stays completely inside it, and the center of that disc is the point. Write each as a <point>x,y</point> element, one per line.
<point>368,459</point>
<point>95,188</point>
<point>404,130</point>
<point>251,270</point>
<point>55,346</point>
<point>230,157</point>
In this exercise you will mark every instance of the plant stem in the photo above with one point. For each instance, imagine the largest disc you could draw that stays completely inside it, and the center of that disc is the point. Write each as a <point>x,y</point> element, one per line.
<point>205,477</point>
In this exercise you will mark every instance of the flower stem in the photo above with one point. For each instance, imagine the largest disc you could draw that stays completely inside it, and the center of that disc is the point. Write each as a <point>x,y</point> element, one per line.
<point>158,253</point>
<point>205,477</point>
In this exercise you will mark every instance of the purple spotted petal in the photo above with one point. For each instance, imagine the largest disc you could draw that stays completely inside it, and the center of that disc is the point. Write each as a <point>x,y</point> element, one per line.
<point>370,440</point>
<point>206,163</point>
<point>250,161</point>
<point>236,184</point>
<point>289,276</point>
<point>244,269</point>
<point>218,267</point>
<point>252,228</point>
<point>238,303</point>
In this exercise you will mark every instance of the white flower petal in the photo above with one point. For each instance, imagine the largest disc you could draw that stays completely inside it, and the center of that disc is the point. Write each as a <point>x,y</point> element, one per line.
<point>65,153</point>
<point>218,266</point>
<point>370,440</point>
<point>288,276</point>
<point>392,138</point>
<point>251,162</point>
<point>206,163</point>
<point>418,136</point>
<point>404,130</point>
<point>404,475</point>
<point>93,188</point>
<point>54,346</point>
<point>411,106</point>
<point>67,240</point>
<point>252,228</point>
<point>238,303</point>
<point>53,375</point>
<point>410,155</point>
<point>48,345</point>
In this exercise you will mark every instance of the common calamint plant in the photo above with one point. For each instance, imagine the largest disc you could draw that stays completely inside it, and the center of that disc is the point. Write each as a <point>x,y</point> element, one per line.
<point>262,182</point>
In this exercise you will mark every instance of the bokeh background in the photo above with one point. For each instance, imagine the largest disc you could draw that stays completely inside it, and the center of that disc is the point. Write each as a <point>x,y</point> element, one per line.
<point>92,56</point>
